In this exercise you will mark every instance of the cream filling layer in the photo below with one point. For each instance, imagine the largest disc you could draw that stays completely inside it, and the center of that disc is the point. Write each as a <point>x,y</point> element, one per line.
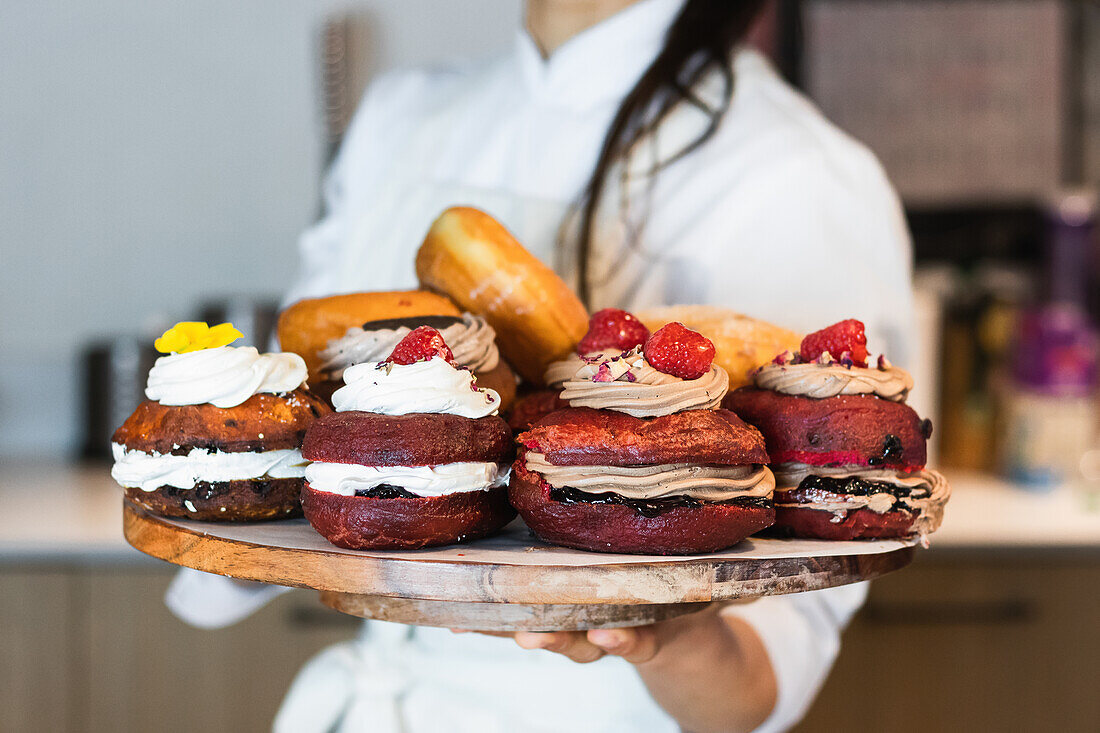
<point>628,383</point>
<point>472,342</point>
<point>150,471</point>
<point>427,481</point>
<point>705,483</point>
<point>929,492</point>
<point>821,381</point>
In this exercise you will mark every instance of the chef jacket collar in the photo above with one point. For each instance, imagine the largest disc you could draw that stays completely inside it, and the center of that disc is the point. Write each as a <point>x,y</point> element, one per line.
<point>600,63</point>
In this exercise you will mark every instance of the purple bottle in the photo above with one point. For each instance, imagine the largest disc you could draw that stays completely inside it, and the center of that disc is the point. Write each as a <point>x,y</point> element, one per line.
<point>1050,408</point>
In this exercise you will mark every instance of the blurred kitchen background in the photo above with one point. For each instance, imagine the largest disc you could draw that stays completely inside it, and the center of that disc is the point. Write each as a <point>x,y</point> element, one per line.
<point>158,161</point>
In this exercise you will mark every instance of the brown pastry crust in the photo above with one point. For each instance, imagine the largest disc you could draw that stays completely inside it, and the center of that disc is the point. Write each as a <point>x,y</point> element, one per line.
<point>263,422</point>
<point>307,326</point>
<point>418,439</point>
<point>363,523</point>
<point>582,436</point>
<point>684,530</point>
<point>250,500</point>
<point>858,524</point>
<point>470,257</point>
<point>533,407</point>
<point>844,430</point>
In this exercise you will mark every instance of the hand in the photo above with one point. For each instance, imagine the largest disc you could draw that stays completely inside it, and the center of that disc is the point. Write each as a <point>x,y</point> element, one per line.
<point>637,644</point>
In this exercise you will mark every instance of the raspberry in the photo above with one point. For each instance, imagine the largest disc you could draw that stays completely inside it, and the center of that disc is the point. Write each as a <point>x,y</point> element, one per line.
<point>846,336</point>
<point>677,350</point>
<point>612,328</point>
<point>420,344</point>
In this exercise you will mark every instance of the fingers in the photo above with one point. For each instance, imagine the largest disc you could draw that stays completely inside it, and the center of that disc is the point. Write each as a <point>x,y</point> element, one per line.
<point>571,644</point>
<point>637,645</point>
<point>503,634</point>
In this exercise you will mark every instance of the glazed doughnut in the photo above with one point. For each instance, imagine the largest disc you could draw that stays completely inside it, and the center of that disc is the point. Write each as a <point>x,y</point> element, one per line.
<point>307,326</point>
<point>470,257</point>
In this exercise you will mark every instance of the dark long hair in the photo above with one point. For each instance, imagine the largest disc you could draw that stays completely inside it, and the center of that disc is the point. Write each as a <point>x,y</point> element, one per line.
<point>699,42</point>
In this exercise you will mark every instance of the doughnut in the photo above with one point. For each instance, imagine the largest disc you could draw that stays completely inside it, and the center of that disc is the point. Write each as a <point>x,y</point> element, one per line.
<point>860,430</point>
<point>307,326</point>
<point>470,257</point>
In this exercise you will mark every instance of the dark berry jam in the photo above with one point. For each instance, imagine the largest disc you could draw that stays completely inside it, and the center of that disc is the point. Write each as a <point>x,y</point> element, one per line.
<point>891,451</point>
<point>385,491</point>
<point>645,507</point>
<point>851,486</point>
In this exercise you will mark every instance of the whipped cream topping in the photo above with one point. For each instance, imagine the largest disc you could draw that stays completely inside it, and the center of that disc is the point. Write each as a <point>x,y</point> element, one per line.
<point>820,381</point>
<point>626,382</point>
<point>224,377</point>
<point>929,492</point>
<point>425,386</point>
<point>427,481</point>
<point>472,342</point>
<point>150,471</point>
<point>705,483</point>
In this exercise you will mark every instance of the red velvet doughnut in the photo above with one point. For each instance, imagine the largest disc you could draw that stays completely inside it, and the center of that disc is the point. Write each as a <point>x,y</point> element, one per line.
<point>686,530</point>
<point>861,430</point>
<point>365,523</point>
<point>419,439</point>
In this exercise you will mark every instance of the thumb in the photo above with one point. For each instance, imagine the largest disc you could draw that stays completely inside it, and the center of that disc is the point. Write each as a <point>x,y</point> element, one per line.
<point>635,645</point>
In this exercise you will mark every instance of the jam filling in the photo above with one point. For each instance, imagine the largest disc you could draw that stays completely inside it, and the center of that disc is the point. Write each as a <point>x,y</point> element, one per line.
<point>891,451</point>
<point>851,486</point>
<point>385,491</point>
<point>646,507</point>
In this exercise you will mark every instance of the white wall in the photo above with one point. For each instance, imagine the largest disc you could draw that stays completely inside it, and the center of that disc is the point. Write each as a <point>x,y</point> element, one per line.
<point>154,153</point>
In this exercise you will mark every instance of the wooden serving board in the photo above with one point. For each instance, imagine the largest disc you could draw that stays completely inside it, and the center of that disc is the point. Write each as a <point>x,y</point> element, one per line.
<point>511,581</point>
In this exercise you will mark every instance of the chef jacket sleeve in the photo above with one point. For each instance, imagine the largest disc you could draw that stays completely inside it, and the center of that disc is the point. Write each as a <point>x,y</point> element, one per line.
<point>208,601</point>
<point>801,634</point>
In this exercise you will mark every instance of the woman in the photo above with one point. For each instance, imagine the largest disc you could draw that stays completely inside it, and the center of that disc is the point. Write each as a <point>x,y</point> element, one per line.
<point>648,156</point>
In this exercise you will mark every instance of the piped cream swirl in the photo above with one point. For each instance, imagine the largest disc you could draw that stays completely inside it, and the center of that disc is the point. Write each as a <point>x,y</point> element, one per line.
<point>705,483</point>
<point>224,377</point>
<point>425,386</point>
<point>564,369</point>
<point>821,381</point>
<point>627,383</point>
<point>472,342</point>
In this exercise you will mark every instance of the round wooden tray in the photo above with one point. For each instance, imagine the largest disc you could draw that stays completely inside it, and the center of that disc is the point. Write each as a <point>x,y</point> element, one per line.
<point>511,581</point>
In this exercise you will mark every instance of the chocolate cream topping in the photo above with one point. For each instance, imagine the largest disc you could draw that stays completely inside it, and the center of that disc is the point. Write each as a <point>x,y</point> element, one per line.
<point>471,340</point>
<point>820,381</point>
<point>704,483</point>
<point>627,383</point>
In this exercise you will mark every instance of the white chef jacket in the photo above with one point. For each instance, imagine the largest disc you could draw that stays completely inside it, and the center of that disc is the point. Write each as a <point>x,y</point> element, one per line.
<point>780,215</point>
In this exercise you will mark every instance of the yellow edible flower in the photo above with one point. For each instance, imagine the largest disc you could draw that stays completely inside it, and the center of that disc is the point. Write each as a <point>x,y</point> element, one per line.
<point>195,335</point>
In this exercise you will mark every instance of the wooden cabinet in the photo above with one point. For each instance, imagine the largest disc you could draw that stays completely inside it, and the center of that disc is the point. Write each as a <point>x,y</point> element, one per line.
<point>971,643</point>
<point>96,650</point>
<point>953,643</point>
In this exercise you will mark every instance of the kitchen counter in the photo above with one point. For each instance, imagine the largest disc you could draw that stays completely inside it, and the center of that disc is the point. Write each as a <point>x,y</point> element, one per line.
<point>62,513</point>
